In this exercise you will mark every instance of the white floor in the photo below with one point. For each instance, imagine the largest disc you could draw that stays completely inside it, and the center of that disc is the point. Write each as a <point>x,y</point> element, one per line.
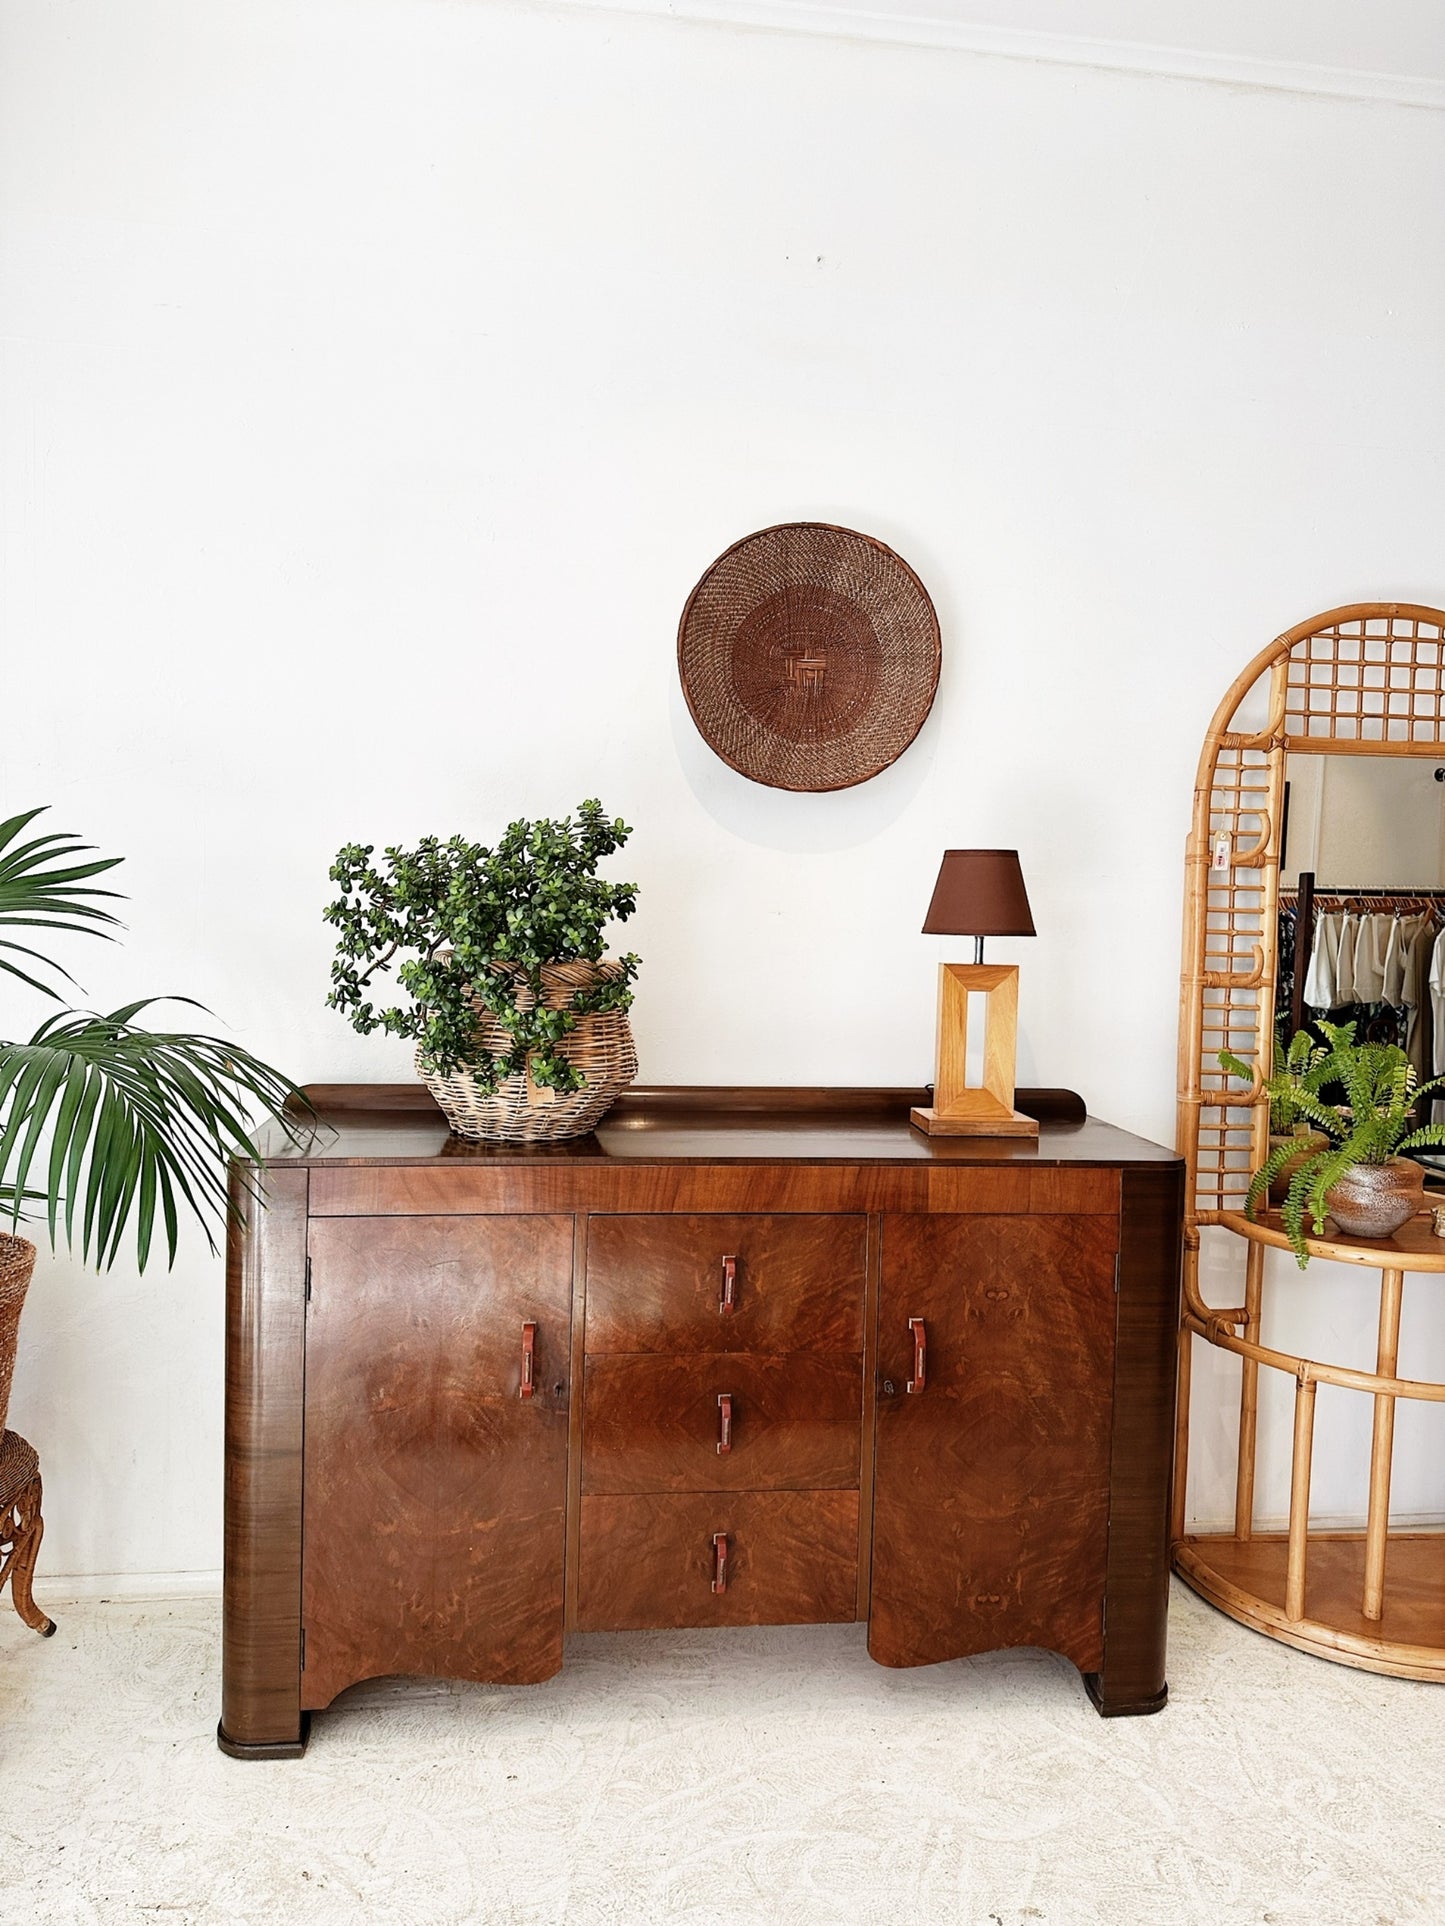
<point>770,1776</point>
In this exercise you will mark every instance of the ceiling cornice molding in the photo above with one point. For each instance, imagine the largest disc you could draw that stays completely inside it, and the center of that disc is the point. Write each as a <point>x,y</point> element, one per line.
<point>1053,49</point>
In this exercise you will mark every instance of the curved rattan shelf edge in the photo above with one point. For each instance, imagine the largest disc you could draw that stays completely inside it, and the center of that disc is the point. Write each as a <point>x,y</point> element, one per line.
<point>1376,1254</point>
<point>1307,1370</point>
<point>1394,1658</point>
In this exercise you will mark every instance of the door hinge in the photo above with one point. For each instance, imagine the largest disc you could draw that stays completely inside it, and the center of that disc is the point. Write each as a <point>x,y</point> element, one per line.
<point>303,1648</point>
<point>308,1278</point>
<point>1117,1256</point>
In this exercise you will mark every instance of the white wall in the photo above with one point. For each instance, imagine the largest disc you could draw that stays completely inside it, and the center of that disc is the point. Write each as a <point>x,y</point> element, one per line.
<point>378,377</point>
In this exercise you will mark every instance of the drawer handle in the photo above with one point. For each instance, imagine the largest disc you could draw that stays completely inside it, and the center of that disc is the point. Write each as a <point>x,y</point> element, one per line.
<point>529,1358</point>
<point>919,1335</point>
<point>724,1422</point>
<point>728,1302</point>
<point>719,1561</point>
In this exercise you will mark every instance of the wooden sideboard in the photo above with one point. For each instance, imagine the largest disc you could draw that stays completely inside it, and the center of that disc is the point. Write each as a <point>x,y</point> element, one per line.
<point>741,1357</point>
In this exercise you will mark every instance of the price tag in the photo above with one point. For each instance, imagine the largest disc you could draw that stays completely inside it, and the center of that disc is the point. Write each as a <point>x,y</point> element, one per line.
<point>1221,850</point>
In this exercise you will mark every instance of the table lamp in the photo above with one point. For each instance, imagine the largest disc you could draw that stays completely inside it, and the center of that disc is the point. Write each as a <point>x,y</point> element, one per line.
<point>979,893</point>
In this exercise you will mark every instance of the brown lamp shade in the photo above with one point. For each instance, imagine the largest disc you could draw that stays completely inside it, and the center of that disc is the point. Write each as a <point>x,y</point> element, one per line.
<point>979,892</point>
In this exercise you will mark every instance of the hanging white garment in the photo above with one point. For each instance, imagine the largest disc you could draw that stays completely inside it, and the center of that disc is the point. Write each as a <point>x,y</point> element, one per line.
<point>1371,955</point>
<point>1345,962</point>
<point>1324,962</point>
<point>1402,929</point>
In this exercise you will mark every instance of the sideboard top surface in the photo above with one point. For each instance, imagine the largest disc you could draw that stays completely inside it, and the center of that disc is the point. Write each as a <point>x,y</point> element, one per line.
<point>400,1124</point>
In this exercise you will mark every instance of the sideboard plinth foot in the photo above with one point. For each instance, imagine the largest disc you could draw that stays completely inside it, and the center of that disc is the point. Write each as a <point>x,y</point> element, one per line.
<point>1122,1708</point>
<point>267,1748</point>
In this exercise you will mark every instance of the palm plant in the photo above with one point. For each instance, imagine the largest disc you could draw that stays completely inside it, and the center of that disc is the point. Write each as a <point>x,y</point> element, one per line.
<point>115,1121</point>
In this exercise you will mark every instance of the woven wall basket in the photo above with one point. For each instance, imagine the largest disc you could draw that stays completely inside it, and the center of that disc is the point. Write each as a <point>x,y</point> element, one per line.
<point>809,656</point>
<point>522,1112</point>
<point>17,1261</point>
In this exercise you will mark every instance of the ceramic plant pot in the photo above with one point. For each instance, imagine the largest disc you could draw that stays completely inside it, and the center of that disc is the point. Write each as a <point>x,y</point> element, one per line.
<point>520,1111</point>
<point>1374,1200</point>
<point>17,1262</point>
<point>1309,1141</point>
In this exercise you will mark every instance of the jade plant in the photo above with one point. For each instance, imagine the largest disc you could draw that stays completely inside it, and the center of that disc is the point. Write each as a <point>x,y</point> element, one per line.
<point>113,1120</point>
<point>465,927</point>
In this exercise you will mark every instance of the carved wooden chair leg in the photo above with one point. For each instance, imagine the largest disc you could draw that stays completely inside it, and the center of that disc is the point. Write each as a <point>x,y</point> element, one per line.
<point>21,1527</point>
<point>29,1530</point>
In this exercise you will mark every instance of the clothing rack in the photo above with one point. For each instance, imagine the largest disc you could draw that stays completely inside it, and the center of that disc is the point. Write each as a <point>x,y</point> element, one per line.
<point>1307,899</point>
<point>1364,900</point>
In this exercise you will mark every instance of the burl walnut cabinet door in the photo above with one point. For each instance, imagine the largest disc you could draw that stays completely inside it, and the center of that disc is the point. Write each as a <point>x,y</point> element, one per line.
<point>434,1489</point>
<point>991,1499</point>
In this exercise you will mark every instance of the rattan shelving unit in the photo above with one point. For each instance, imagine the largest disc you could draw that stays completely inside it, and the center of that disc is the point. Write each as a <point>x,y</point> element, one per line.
<point>1364,680</point>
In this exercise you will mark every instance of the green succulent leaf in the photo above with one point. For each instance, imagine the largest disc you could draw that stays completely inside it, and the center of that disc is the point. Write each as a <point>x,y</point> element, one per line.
<point>463,929</point>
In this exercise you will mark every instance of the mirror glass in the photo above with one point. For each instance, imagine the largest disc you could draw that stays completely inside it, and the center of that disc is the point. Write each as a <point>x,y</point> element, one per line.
<point>1364,822</point>
<point>1372,831</point>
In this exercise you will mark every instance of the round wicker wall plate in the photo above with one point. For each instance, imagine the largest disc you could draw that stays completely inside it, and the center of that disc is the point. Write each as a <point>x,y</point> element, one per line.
<point>809,656</point>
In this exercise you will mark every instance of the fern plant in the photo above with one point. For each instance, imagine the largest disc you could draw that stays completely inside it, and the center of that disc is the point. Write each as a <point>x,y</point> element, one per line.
<point>1383,1094</point>
<point>1299,1072</point>
<point>118,1123</point>
<point>1302,1069</point>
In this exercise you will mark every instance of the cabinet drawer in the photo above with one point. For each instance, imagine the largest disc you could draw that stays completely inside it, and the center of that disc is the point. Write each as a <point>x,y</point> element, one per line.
<point>791,1559</point>
<point>655,1424</point>
<point>662,1283</point>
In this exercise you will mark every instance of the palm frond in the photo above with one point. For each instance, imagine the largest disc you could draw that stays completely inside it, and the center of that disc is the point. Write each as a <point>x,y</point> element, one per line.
<point>44,887</point>
<point>137,1121</point>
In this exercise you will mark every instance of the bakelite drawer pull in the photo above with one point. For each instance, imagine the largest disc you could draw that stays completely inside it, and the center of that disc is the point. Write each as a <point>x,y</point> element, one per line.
<point>529,1358</point>
<point>719,1561</point>
<point>919,1335</point>
<point>724,1422</point>
<point>728,1302</point>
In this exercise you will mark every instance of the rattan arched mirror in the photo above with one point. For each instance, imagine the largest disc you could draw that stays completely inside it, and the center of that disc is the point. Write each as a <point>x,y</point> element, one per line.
<point>1362,681</point>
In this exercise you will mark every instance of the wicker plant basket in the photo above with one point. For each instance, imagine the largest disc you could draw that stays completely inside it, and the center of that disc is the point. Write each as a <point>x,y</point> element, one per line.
<point>520,1111</point>
<point>17,1261</point>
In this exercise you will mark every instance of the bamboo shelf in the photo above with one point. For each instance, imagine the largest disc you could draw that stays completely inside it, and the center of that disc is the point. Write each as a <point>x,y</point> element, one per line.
<point>1325,1592</point>
<point>1364,680</point>
<point>1247,1578</point>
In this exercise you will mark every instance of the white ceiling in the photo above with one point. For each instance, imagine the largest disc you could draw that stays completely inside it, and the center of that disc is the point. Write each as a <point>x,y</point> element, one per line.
<point>1378,49</point>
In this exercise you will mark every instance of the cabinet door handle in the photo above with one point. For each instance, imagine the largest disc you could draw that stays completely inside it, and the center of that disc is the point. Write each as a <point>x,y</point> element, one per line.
<point>728,1302</point>
<point>529,1358</point>
<point>724,1422</point>
<point>719,1561</point>
<point>919,1335</point>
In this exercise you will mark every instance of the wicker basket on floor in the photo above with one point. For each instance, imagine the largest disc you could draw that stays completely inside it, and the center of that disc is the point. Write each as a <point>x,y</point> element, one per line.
<point>17,1261</point>
<point>520,1111</point>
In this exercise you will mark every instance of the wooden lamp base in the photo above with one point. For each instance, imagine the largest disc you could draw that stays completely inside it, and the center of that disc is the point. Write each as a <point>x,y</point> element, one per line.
<point>959,1108</point>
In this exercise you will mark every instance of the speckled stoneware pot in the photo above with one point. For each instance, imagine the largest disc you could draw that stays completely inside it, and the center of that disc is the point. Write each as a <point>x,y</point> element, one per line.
<point>1374,1200</point>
